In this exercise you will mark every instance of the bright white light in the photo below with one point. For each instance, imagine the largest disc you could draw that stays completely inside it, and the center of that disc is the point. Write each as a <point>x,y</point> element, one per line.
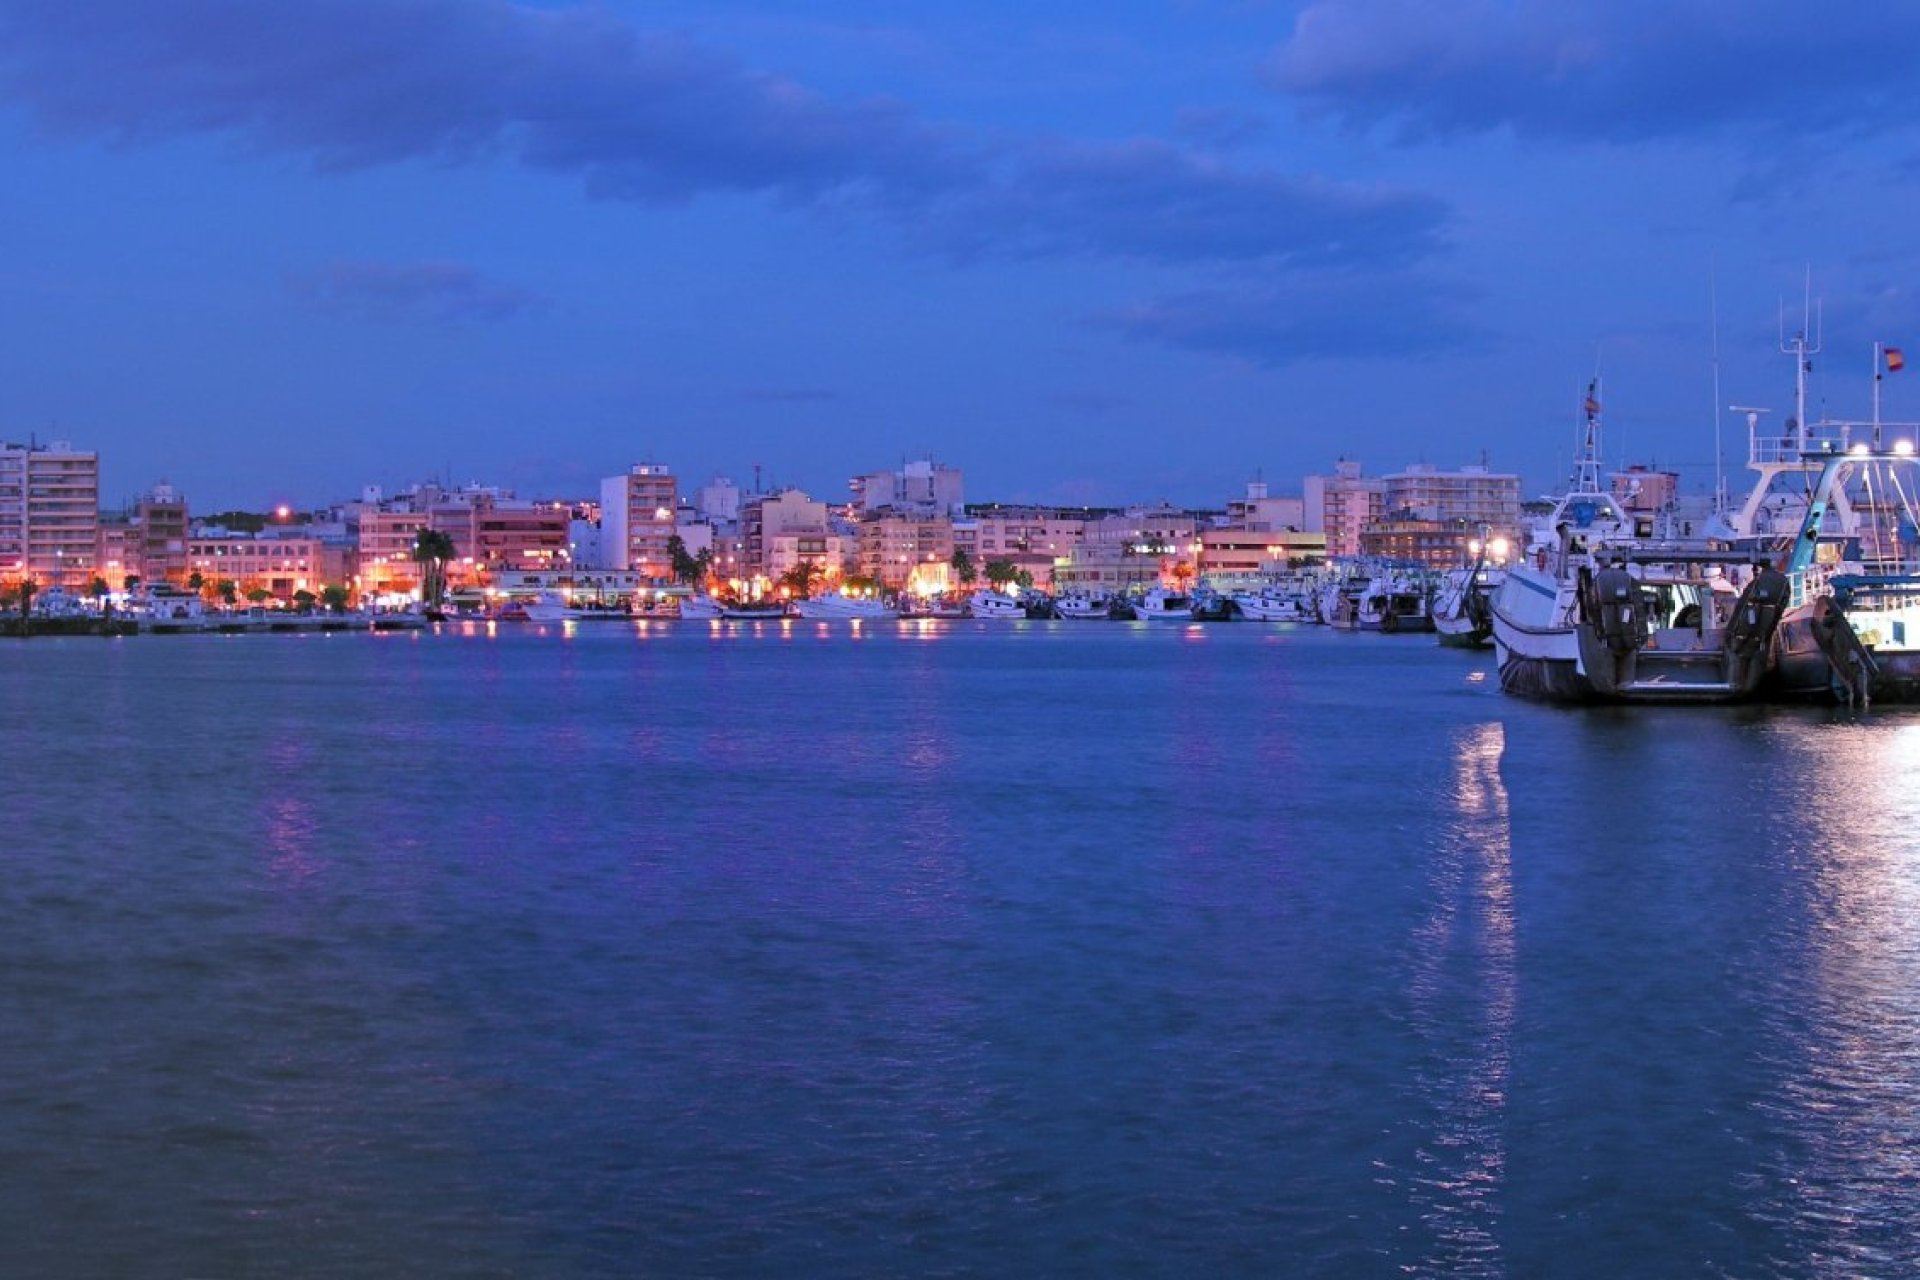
<point>1858,451</point>
<point>1903,447</point>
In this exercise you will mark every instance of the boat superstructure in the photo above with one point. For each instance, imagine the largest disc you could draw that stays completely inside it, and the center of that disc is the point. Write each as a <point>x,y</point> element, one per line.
<point>1605,607</point>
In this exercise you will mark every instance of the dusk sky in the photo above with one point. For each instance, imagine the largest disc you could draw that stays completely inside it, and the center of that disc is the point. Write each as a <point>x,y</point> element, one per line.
<point>1089,253</point>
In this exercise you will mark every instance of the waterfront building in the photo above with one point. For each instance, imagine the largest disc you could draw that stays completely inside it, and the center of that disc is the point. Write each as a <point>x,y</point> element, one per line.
<point>1231,557</point>
<point>49,514</point>
<point>719,500</point>
<point>787,551</point>
<point>281,563</point>
<point>155,545</point>
<point>892,546</point>
<point>1474,495</point>
<point>1259,510</point>
<point>924,487</point>
<point>636,519</point>
<point>1102,567</point>
<point>1435,544</point>
<point>1032,539</point>
<point>118,554</point>
<point>386,541</point>
<point>1341,505</point>
<point>491,533</point>
<point>779,517</point>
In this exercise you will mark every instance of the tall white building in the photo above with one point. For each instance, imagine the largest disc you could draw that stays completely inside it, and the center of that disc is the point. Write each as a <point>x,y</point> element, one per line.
<point>636,520</point>
<point>49,514</point>
<point>1342,505</point>
<point>924,488</point>
<point>1473,496</point>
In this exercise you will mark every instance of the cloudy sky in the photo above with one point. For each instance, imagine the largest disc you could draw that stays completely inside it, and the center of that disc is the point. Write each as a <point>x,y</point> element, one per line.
<point>276,249</point>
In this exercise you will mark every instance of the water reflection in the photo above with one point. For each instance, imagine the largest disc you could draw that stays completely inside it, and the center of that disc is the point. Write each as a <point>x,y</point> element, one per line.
<point>1462,993</point>
<point>1849,1105</point>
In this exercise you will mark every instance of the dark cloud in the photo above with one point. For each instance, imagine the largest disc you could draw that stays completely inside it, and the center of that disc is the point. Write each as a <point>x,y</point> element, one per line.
<point>1305,317</point>
<point>653,117</point>
<point>1613,70</point>
<point>1153,201</point>
<point>434,291</point>
<point>361,82</point>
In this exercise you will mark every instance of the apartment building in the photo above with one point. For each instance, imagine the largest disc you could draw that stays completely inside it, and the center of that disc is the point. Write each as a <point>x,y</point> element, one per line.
<point>49,514</point>
<point>636,519</point>
<point>1341,505</point>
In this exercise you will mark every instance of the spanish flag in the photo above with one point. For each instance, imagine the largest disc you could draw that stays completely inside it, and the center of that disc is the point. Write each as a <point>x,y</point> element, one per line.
<point>1895,361</point>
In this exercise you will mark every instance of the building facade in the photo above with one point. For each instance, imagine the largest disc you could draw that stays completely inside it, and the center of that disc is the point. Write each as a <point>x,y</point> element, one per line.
<point>1342,505</point>
<point>1475,496</point>
<point>636,519</point>
<point>49,514</point>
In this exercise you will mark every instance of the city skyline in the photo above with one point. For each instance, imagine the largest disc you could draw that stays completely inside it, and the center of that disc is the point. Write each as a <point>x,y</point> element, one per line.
<point>1091,259</point>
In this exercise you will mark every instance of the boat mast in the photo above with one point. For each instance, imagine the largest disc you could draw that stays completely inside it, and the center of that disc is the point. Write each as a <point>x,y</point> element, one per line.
<point>1586,478</point>
<point>1719,450</point>
<point>1802,350</point>
<point>1878,352</point>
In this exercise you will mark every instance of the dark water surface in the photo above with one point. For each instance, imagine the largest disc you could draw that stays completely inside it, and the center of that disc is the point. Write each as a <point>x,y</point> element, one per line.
<point>942,949</point>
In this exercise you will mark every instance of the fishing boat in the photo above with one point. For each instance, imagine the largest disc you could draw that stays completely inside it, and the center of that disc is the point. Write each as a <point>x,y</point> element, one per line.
<point>1078,606</point>
<point>1274,603</point>
<point>1462,611</point>
<point>699,608</point>
<point>1161,605</point>
<point>753,610</point>
<point>834,606</point>
<point>1601,609</point>
<point>1395,601</point>
<point>994,605</point>
<point>1852,628</point>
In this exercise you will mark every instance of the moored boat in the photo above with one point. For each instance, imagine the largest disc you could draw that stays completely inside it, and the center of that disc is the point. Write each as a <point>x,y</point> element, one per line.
<point>1462,607</point>
<point>1161,605</point>
<point>1852,629</point>
<point>1601,610</point>
<point>833,605</point>
<point>993,605</point>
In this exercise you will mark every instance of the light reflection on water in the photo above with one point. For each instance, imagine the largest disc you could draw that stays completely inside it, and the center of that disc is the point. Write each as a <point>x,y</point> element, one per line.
<point>1463,991</point>
<point>1853,1029</point>
<point>941,948</point>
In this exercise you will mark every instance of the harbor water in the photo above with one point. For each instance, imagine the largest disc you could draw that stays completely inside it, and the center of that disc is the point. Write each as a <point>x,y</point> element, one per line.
<point>940,949</point>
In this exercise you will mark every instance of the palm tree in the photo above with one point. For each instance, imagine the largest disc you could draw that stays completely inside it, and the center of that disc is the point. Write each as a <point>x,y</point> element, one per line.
<point>432,549</point>
<point>801,578</point>
<point>687,567</point>
<point>334,596</point>
<point>963,567</point>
